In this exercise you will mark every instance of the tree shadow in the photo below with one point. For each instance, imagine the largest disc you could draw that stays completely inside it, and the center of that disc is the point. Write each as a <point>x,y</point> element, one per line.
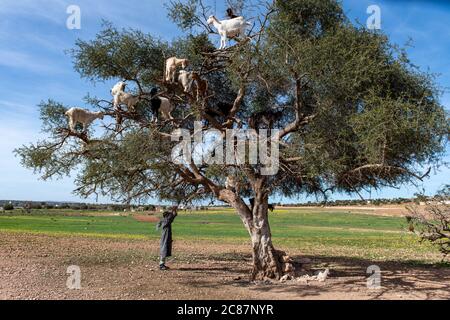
<point>347,280</point>
<point>348,275</point>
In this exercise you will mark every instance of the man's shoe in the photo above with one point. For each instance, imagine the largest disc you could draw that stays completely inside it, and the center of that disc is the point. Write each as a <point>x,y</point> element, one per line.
<point>163,267</point>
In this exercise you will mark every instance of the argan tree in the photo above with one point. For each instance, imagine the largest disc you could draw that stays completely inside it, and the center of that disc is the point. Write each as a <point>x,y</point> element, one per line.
<point>353,113</point>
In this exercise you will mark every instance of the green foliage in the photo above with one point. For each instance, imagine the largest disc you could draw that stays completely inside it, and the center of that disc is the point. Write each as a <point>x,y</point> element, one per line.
<point>127,55</point>
<point>373,107</point>
<point>52,115</point>
<point>184,14</point>
<point>304,19</point>
<point>193,46</point>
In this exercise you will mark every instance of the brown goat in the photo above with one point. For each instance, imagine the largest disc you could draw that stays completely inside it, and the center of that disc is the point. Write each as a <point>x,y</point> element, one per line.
<point>202,85</point>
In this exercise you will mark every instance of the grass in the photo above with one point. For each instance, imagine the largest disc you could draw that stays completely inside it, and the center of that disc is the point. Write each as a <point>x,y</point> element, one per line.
<point>325,233</point>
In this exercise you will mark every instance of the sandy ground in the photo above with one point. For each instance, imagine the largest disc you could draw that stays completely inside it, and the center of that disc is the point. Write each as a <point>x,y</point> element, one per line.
<point>34,267</point>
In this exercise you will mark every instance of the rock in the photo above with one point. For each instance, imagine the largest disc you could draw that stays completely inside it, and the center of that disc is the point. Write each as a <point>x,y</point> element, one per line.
<point>285,278</point>
<point>303,280</point>
<point>322,276</point>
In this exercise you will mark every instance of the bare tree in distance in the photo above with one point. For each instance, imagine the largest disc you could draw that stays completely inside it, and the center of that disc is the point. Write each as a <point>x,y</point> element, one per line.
<point>432,222</point>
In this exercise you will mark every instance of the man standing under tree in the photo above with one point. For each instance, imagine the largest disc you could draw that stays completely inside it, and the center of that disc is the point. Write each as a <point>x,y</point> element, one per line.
<point>166,236</point>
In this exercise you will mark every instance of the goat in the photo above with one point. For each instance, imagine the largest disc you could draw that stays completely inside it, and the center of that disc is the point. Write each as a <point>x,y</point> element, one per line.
<point>171,67</point>
<point>85,117</point>
<point>118,87</point>
<point>122,97</point>
<point>160,105</point>
<point>185,79</point>
<point>202,85</point>
<point>267,117</point>
<point>127,99</point>
<point>271,206</point>
<point>229,28</point>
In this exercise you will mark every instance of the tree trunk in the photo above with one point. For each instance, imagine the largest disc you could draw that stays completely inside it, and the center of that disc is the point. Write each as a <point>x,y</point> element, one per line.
<point>268,263</point>
<point>266,260</point>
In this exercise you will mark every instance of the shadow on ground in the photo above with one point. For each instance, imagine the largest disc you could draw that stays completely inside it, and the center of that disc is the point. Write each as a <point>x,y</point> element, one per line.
<point>347,280</point>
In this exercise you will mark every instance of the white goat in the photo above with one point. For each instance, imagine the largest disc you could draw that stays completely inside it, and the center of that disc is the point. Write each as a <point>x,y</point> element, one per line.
<point>171,67</point>
<point>185,78</point>
<point>85,117</point>
<point>122,97</point>
<point>229,28</point>
<point>127,99</point>
<point>118,87</point>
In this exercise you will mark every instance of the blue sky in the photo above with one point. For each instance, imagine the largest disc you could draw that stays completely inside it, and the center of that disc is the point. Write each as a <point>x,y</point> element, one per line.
<point>34,67</point>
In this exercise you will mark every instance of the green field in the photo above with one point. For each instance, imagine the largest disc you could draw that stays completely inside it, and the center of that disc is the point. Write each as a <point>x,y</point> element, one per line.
<point>305,231</point>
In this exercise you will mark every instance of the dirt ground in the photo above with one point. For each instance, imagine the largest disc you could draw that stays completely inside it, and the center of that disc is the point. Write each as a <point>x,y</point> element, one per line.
<point>34,267</point>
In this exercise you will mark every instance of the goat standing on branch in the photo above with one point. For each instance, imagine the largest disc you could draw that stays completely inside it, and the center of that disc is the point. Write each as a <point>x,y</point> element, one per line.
<point>186,80</point>
<point>160,105</point>
<point>122,97</point>
<point>85,117</point>
<point>228,29</point>
<point>171,67</point>
<point>201,85</point>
